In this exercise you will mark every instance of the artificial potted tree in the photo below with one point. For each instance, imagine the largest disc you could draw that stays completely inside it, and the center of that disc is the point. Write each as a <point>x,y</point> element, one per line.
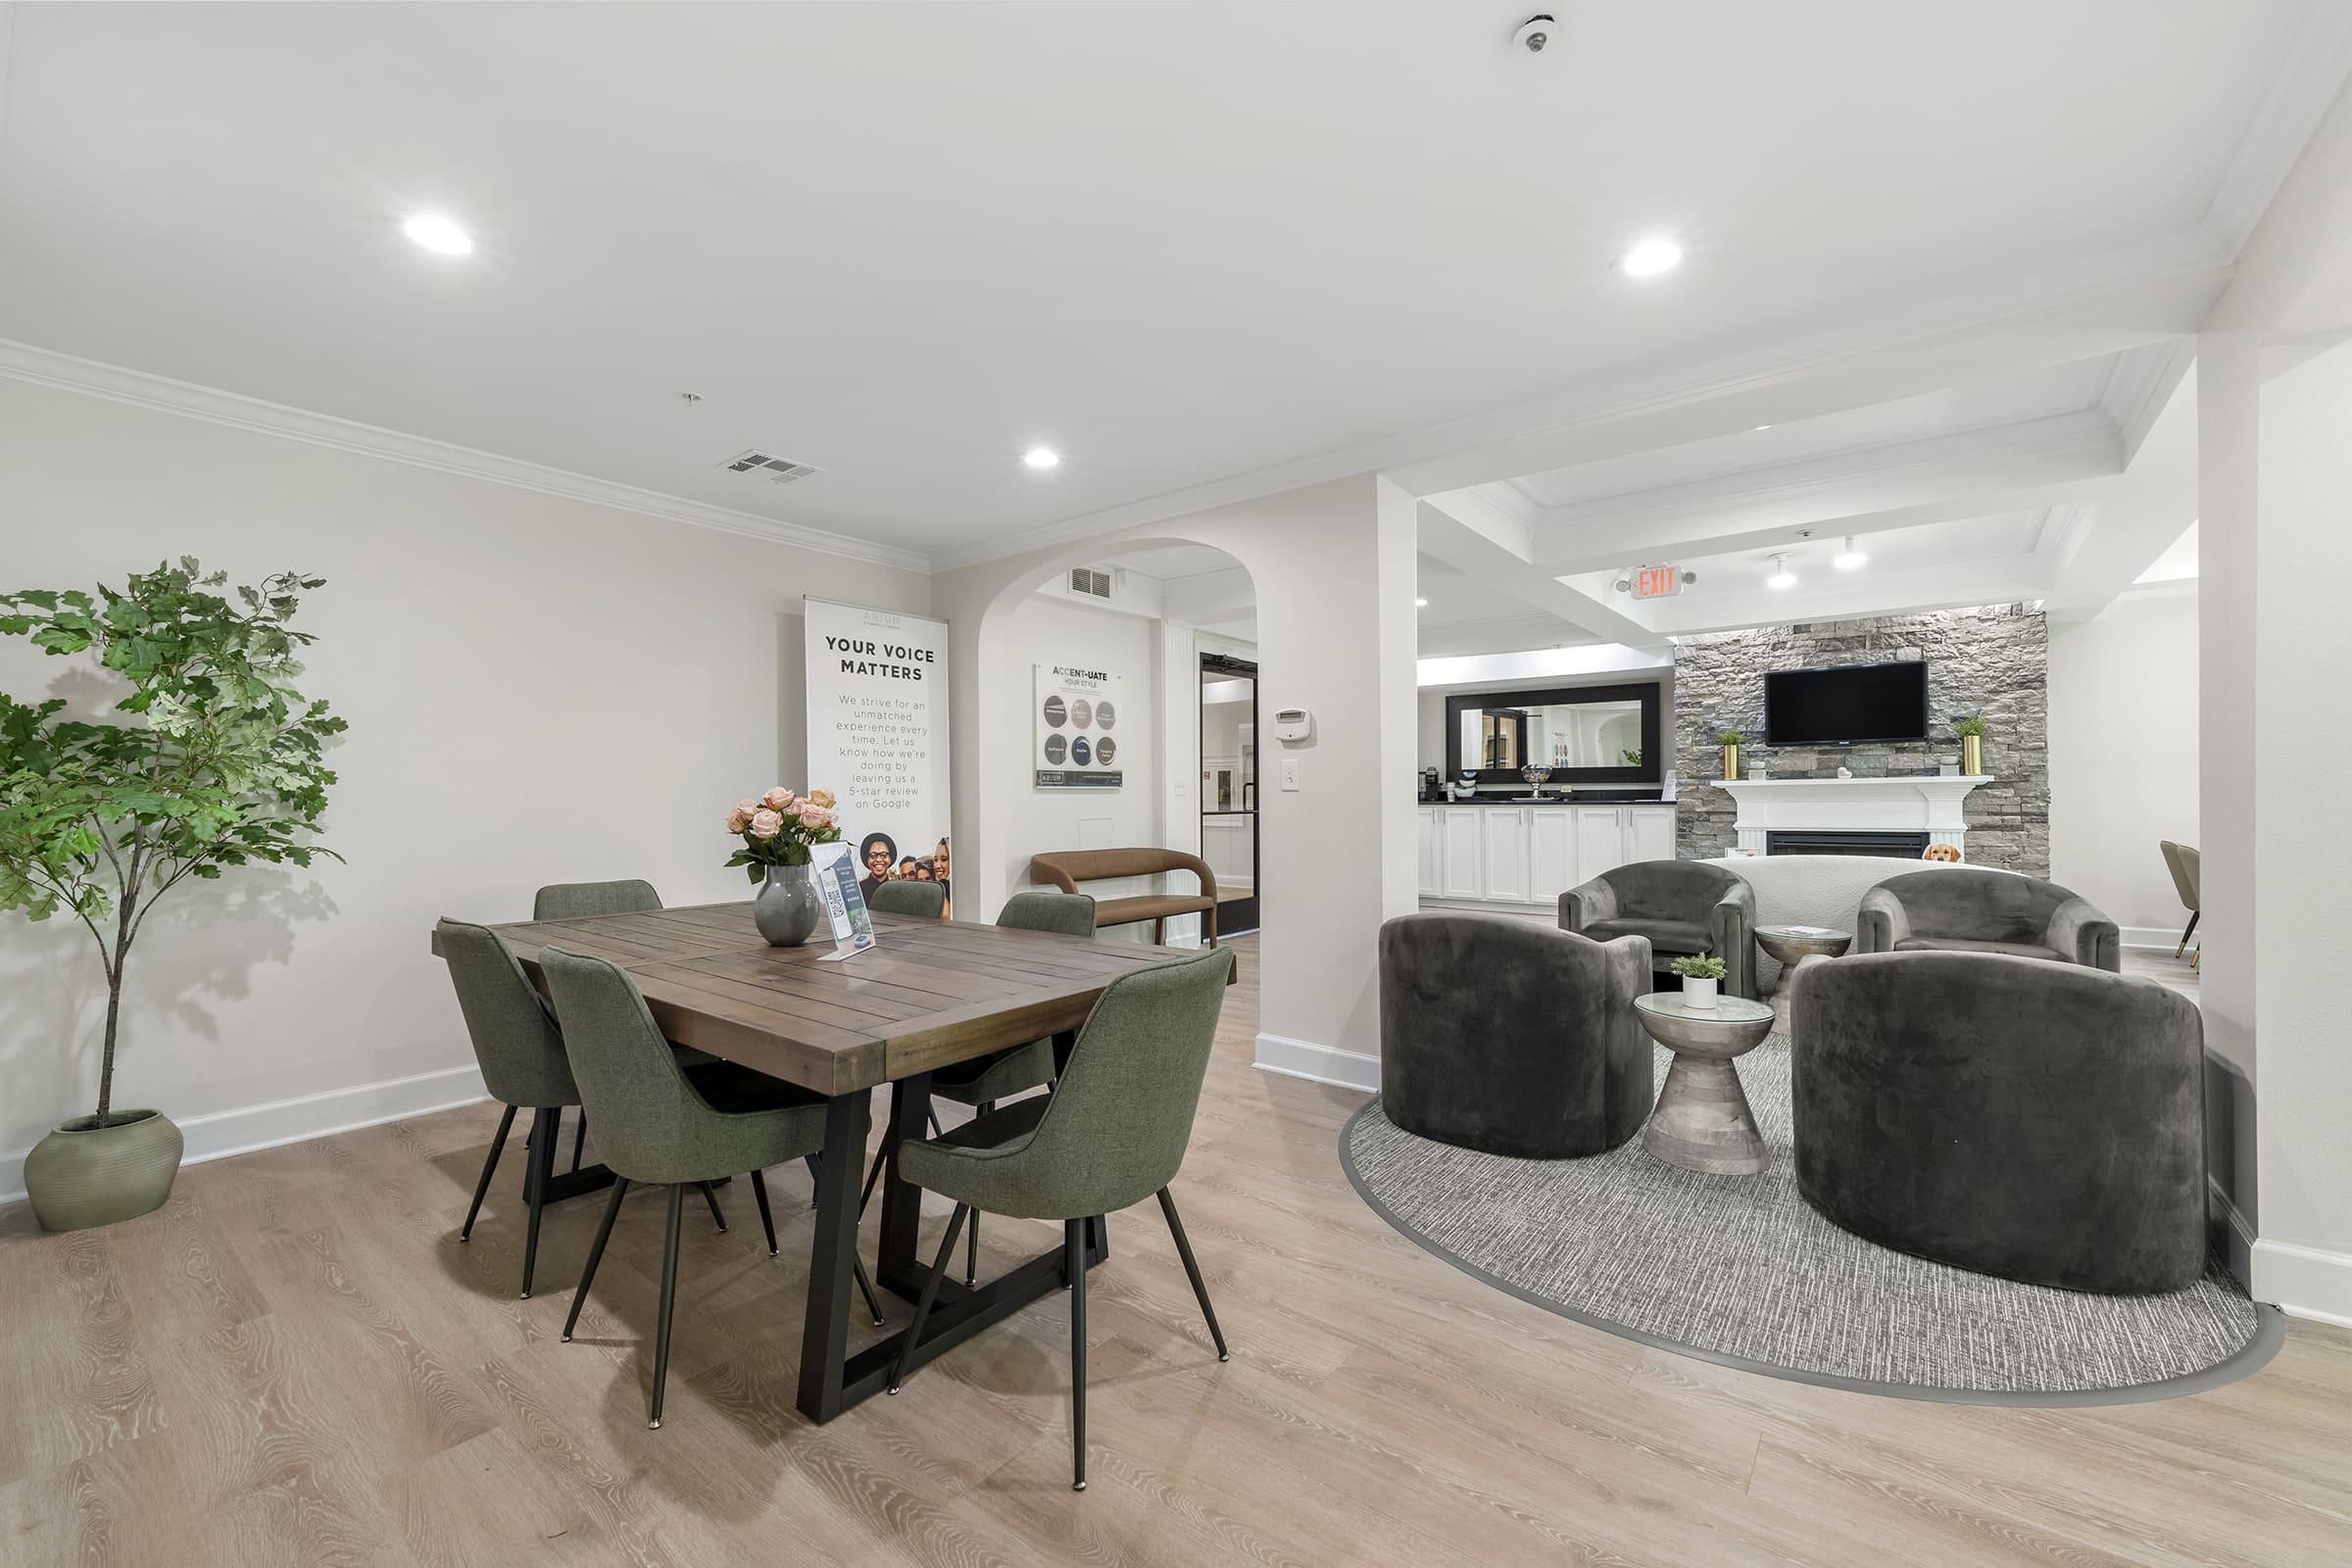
<point>1970,731</point>
<point>1701,973</point>
<point>216,761</point>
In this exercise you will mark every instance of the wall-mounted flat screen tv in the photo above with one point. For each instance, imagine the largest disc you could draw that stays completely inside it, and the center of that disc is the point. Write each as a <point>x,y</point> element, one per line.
<point>1846,705</point>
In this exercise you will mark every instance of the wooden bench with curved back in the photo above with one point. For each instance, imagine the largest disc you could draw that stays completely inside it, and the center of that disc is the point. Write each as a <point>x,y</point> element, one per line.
<point>1066,869</point>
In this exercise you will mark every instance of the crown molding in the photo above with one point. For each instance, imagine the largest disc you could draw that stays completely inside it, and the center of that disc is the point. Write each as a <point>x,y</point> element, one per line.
<point>2317,65</point>
<point>25,362</point>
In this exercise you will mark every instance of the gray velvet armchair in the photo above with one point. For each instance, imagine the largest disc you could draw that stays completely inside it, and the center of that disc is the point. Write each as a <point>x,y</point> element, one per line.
<point>1971,910</point>
<point>1683,906</point>
<point>2038,1121</point>
<point>1498,1035</point>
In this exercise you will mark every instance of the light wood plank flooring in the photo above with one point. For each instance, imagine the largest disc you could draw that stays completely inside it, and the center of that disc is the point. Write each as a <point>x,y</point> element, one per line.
<point>296,1362</point>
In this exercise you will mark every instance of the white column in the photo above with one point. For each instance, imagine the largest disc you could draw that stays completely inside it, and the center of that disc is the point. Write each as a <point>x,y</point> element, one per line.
<point>2301,758</point>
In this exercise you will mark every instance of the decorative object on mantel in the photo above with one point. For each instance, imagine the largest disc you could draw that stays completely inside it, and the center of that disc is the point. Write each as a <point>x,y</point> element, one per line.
<point>1535,778</point>
<point>1941,851</point>
<point>223,768</point>
<point>1970,731</point>
<point>1730,740</point>
<point>778,831</point>
<point>1699,972</point>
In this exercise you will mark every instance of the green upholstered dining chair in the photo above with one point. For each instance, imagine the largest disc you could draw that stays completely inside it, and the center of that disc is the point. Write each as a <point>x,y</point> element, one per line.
<point>578,901</point>
<point>925,899</point>
<point>1113,1133</point>
<point>660,1123</point>
<point>983,1080</point>
<point>521,1052</point>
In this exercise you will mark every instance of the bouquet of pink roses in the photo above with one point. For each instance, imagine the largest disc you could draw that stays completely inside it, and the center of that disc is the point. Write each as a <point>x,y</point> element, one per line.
<point>779,826</point>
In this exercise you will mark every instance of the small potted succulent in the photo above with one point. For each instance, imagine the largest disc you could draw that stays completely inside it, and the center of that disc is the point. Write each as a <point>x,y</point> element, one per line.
<point>1971,730</point>
<point>1701,973</point>
<point>1730,740</point>
<point>778,831</point>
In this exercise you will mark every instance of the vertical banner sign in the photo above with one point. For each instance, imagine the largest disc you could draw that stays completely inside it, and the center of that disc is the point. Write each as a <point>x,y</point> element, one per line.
<point>1076,714</point>
<point>845,905</point>
<point>878,736</point>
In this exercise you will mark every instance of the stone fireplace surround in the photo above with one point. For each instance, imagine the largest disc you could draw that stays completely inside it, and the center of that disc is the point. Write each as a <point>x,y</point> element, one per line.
<point>1993,659</point>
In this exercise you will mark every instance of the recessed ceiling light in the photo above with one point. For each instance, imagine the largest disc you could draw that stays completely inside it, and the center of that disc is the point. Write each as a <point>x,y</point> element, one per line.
<point>1041,458</point>
<point>1781,577</point>
<point>1651,257</point>
<point>437,234</point>
<point>1420,604</point>
<point>1763,426</point>
<point>1850,558</point>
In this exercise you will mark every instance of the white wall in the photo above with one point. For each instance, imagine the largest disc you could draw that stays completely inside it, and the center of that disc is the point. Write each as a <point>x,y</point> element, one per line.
<point>2123,726</point>
<point>1334,569</point>
<point>539,690</point>
<point>1046,629</point>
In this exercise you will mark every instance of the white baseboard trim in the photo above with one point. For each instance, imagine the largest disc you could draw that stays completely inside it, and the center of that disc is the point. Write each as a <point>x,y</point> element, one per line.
<point>290,1122</point>
<point>2237,1237</point>
<point>2304,1281</point>
<point>1317,1064</point>
<point>2149,936</point>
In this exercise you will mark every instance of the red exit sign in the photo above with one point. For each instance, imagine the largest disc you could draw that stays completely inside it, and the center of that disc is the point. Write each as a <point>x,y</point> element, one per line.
<point>1657,582</point>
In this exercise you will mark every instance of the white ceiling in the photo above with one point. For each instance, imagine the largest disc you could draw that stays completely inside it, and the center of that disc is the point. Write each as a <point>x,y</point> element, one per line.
<point>1179,242</point>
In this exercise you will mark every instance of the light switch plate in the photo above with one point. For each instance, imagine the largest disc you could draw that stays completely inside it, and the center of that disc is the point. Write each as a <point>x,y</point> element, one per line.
<point>1290,772</point>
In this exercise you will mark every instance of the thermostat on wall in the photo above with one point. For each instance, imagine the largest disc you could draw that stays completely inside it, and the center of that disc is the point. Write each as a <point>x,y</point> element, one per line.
<point>1292,724</point>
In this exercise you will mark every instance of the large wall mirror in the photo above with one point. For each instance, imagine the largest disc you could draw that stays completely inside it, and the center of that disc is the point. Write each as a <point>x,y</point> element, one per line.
<point>1581,734</point>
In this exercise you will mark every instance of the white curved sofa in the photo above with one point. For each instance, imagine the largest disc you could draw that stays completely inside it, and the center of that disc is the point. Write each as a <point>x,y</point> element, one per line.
<point>1814,890</point>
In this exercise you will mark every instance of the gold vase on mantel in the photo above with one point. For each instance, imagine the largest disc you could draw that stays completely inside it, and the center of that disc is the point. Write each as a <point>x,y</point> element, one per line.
<point>1731,763</point>
<point>1972,756</point>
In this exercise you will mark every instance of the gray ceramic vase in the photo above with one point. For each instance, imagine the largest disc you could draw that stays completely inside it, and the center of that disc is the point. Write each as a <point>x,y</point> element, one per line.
<point>83,1174</point>
<point>787,905</point>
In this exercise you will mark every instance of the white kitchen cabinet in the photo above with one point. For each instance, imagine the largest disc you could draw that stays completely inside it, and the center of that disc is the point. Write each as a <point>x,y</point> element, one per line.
<point>1599,840</point>
<point>1652,834</point>
<point>1551,852</point>
<point>1530,855</point>
<point>1502,847</point>
<point>1461,859</point>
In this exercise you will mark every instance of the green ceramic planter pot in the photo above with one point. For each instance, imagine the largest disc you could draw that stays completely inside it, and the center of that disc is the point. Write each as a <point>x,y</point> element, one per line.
<point>83,1174</point>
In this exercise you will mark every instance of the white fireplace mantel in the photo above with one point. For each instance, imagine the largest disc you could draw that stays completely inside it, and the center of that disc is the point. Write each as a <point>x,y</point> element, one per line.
<point>1923,804</point>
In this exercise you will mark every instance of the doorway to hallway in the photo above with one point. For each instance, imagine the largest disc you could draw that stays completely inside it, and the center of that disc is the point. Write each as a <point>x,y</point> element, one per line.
<point>1229,787</point>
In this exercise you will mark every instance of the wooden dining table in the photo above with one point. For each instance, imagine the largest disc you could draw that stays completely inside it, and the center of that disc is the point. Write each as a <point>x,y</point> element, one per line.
<point>927,995</point>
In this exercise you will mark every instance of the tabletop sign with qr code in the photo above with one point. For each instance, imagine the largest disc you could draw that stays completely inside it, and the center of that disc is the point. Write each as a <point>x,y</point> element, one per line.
<point>845,904</point>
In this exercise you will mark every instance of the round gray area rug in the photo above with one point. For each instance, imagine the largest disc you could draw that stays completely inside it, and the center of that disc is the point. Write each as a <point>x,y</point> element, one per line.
<point>1740,1271</point>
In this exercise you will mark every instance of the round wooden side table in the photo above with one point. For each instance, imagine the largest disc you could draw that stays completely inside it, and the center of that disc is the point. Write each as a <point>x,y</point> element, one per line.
<point>1702,1121</point>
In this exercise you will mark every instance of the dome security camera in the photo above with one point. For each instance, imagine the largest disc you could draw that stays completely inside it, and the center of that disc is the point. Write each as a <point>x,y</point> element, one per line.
<point>1535,32</point>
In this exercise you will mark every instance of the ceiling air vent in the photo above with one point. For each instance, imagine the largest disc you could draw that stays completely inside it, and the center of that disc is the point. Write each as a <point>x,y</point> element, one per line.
<point>1087,581</point>
<point>782,470</point>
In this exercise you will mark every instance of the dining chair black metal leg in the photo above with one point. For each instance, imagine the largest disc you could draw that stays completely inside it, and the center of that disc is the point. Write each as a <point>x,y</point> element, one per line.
<point>766,1221</point>
<point>810,1163</point>
<point>580,1137</point>
<point>874,1172</point>
<point>482,1189</point>
<point>534,1182</point>
<point>937,1131</point>
<point>2181,946</point>
<point>669,1299</point>
<point>922,1305</point>
<point>710,1196</point>
<point>596,1255</point>
<point>971,1239</point>
<point>1191,1270</point>
<point>1073,1245</point>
